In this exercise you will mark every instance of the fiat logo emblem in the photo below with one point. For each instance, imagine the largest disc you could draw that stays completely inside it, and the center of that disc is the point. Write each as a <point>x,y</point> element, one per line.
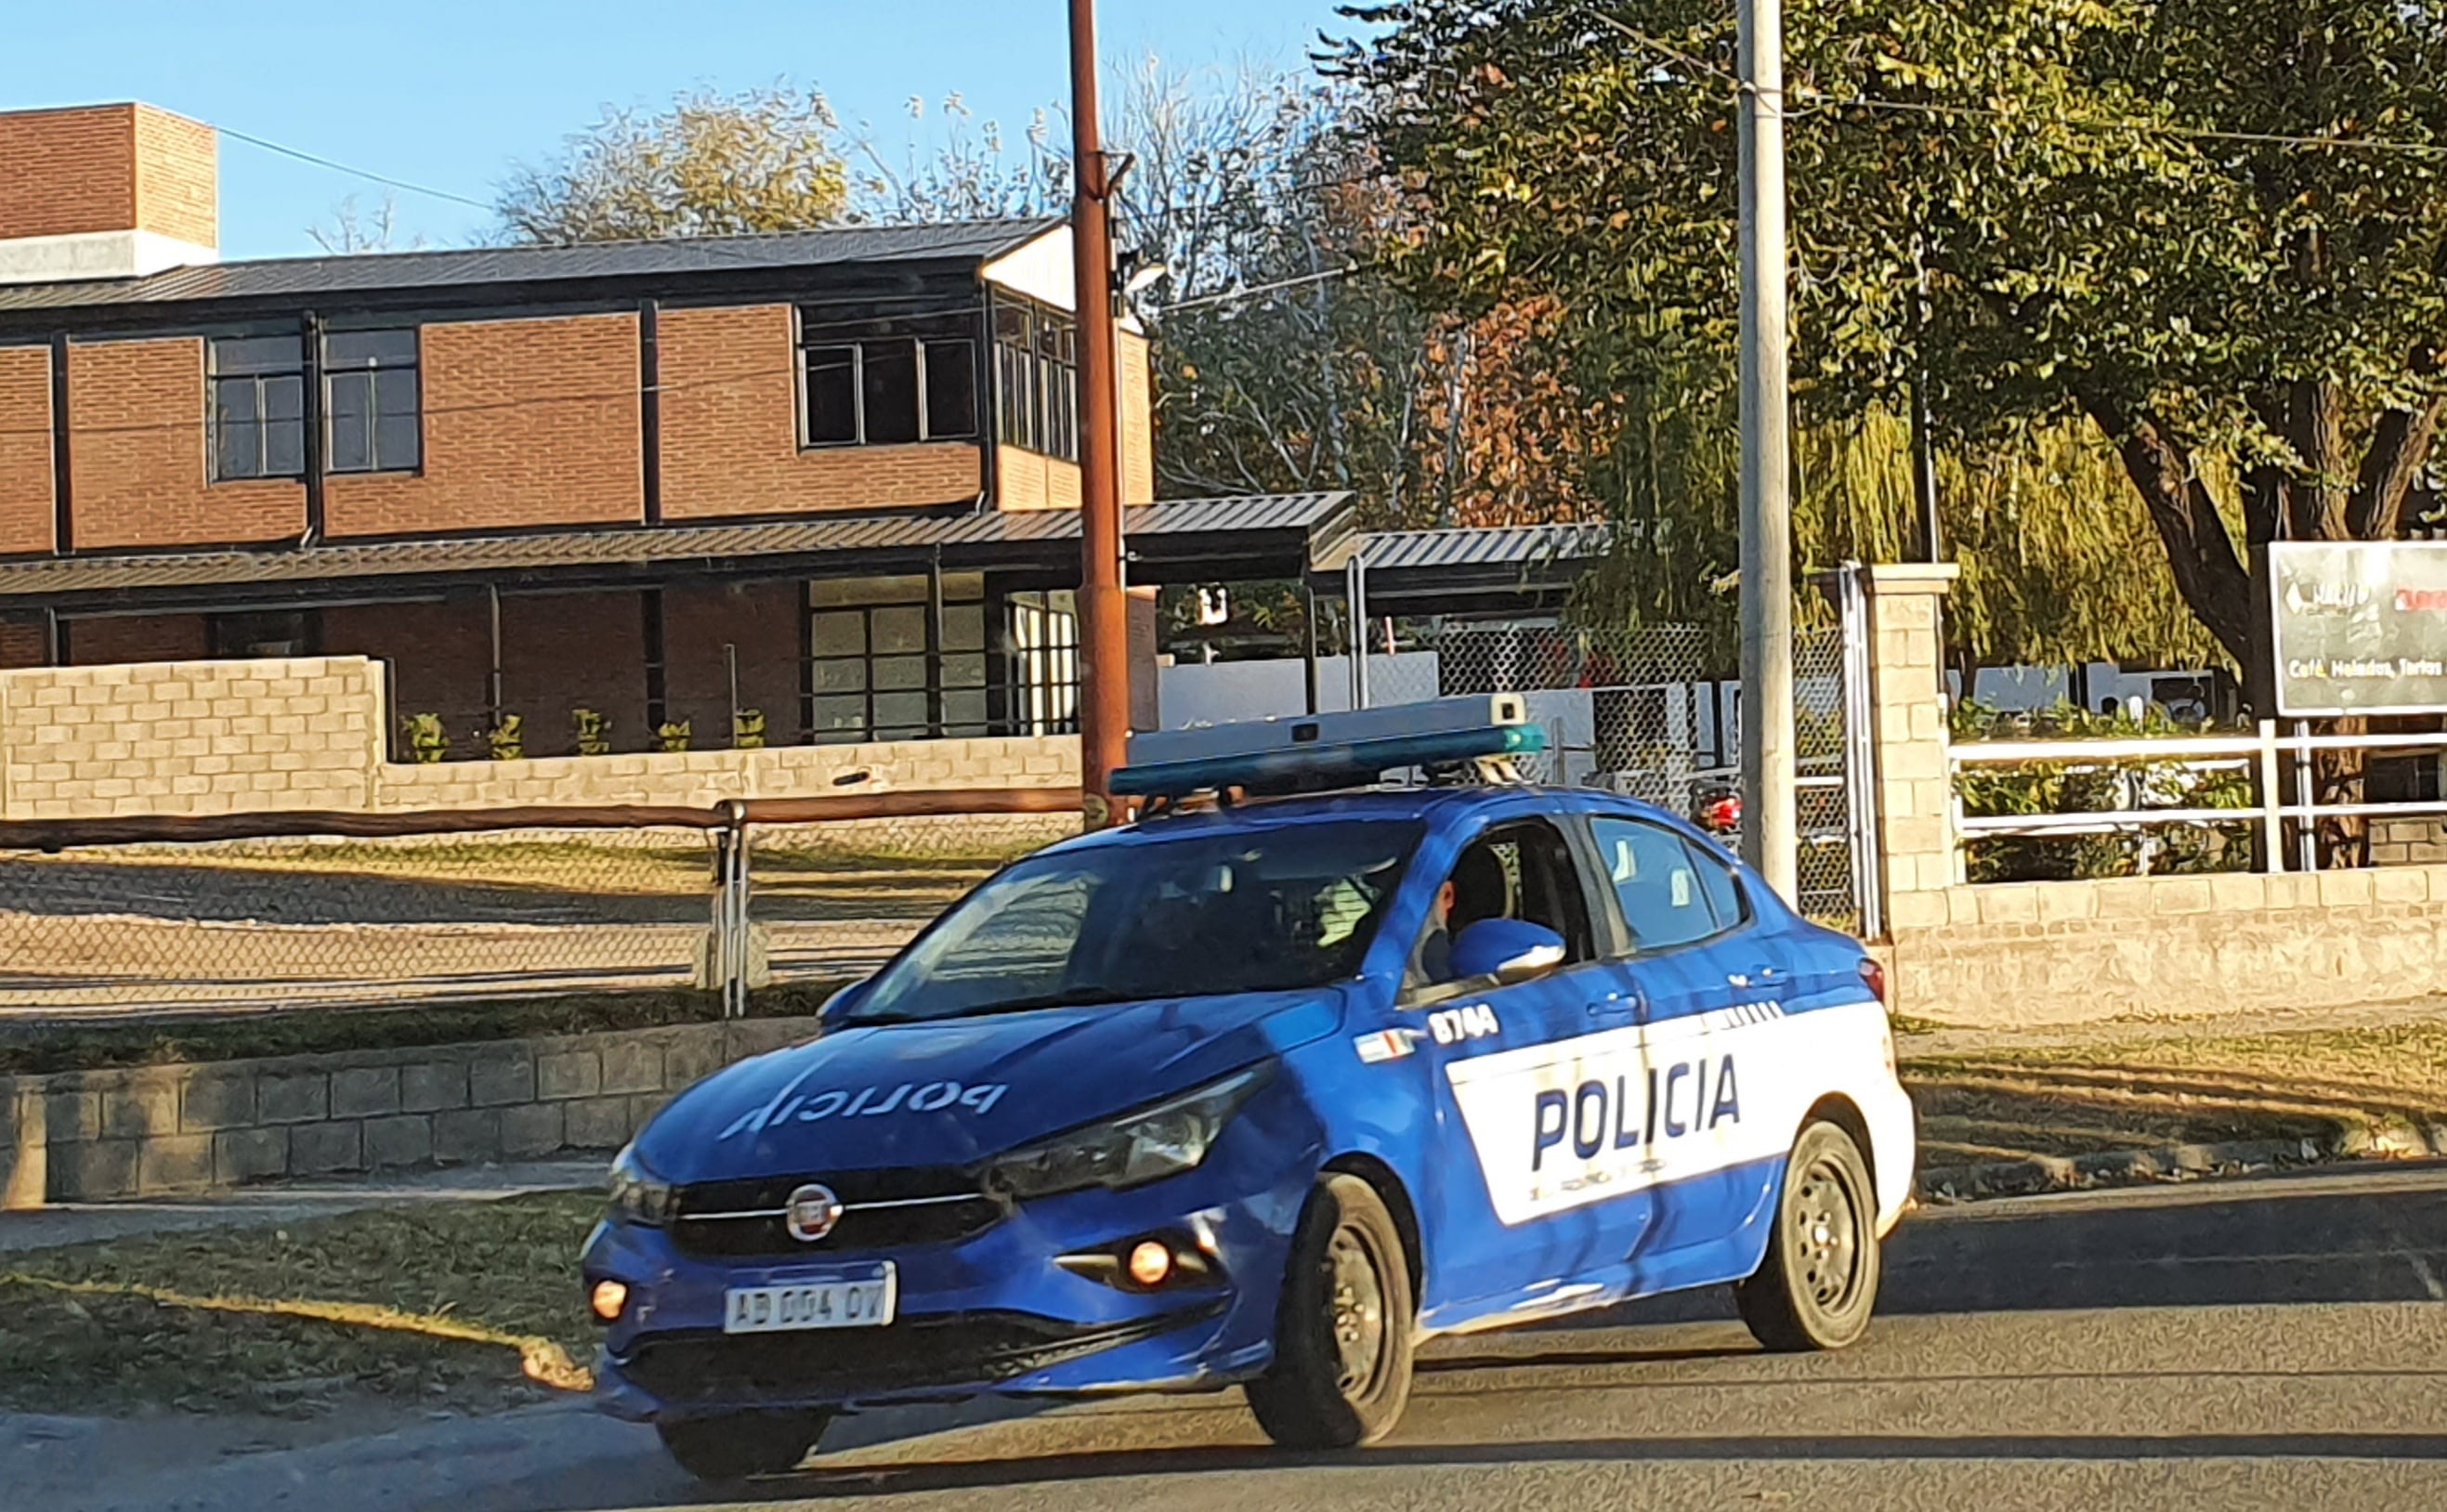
<point>812,1212</point>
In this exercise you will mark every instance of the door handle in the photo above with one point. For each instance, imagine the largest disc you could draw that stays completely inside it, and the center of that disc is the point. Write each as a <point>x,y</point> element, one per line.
<point>1626,1000</point>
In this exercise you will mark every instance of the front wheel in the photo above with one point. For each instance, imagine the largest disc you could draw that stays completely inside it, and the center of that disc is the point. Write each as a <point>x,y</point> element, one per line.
<point>1819,1284</point>
<point>1344,1335</point>
<point>741,1445</point>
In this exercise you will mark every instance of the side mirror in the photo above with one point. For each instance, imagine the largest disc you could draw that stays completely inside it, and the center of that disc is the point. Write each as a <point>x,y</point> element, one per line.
<point>1508,949</point>
<point>840,1002</point>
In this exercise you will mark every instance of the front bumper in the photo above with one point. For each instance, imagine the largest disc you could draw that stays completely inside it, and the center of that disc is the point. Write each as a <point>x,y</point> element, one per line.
<point>991,1314</point>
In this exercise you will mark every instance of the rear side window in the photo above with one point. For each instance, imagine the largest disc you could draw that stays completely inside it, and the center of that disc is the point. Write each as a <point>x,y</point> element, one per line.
<point>1673,893</point>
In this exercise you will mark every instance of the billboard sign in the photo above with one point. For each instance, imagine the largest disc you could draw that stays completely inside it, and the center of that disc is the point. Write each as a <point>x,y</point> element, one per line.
<point>2360,627</point>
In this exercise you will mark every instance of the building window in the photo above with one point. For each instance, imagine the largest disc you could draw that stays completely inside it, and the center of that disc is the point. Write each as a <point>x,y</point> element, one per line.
<point>881,668</point>
<point>275,632</point>
<point>1045,664</point>
<point>878,380</point>
<point>259,406</point>
<point>371,401</point>
<point>1036,378</point>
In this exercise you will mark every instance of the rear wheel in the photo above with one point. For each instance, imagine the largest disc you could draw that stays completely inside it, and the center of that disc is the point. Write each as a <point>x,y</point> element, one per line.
<point>1819,1282</point>
<point>1342,1336</point>
<point>741,1445</point>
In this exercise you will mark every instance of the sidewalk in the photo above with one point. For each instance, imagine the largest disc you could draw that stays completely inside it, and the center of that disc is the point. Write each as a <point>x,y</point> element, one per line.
<point>288,1203</point>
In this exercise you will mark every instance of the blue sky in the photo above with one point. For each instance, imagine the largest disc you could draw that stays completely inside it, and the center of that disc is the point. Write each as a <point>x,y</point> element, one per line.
<point>446,93</point>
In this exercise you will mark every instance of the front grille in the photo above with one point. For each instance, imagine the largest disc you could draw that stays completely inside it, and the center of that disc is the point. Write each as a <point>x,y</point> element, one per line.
<point>914,1353</point>
<point>941,1206</point>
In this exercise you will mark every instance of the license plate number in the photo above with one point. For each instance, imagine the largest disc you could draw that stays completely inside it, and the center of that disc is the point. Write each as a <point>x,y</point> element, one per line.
<point>865,1303</point>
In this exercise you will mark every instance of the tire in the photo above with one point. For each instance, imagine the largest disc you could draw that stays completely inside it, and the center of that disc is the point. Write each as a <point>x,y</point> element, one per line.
<point>1819,1282</point>
<point>734,1447</point>
<point>1343,1332</point>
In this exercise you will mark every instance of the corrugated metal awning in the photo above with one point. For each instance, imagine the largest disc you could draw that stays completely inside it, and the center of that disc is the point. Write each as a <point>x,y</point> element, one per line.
<point>1285,531</point>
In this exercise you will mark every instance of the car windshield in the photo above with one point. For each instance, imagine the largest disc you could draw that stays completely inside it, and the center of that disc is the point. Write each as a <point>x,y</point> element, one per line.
<point>1274,908</point>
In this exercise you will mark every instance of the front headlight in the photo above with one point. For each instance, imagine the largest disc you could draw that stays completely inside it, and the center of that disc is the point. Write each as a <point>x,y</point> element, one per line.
<point>1130,1150</point>
<point>638,1195</point>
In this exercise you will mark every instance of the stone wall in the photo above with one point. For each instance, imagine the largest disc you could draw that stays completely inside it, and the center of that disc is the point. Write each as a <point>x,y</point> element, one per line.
<point>2025,955</point>
<point>189,737</point>
<point>220,737</point>
<point>162,1130</point>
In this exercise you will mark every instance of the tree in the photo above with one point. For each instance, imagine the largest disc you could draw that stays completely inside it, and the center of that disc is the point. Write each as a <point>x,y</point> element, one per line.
<point>711,166</point>
<point>351,230</point>
<point>2111,223</point>
<point>963,176</point>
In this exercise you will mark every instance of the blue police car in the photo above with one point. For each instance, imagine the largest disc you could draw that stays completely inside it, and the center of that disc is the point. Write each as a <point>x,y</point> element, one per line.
<point>1266,1092</point>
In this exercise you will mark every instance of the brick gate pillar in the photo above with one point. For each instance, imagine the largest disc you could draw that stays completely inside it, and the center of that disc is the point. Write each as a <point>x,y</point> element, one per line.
<point>1908,702</point>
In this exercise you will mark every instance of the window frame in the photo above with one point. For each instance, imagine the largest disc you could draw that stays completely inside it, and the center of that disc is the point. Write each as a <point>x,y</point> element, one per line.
<point>935,685</point>
<point>413,367</point>
<point>1572,847</point>
<point>842,331</point>
<point>1701,853</point>
<point>257,378</point>
<point>1031,413</point>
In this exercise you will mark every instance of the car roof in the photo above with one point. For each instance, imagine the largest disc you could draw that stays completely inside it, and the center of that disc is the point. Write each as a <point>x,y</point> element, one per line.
<point>1431,804</point>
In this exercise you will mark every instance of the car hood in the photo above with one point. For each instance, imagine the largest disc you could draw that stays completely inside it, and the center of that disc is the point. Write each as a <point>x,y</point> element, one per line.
<point>948,1093</point>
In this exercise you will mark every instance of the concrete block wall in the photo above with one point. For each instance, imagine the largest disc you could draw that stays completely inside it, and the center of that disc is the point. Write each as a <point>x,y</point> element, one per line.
<point>189,737</point>
<point>701,779</point>
<point>2028,955</point>
<point>220,737</point>
<point>155,1131</point>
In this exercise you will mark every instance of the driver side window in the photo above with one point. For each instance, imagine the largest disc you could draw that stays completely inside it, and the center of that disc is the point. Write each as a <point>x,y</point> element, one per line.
<point>1521,869</point>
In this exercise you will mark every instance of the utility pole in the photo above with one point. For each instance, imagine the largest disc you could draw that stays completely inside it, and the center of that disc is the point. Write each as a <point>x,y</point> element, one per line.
<point>1104,614</point>
<point>1768,810</point>
<point>1923,437</point>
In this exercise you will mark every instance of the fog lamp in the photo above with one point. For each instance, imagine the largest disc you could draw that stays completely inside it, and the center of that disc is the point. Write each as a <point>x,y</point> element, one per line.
<point>1151,1263</point>
<point>609,1299</point>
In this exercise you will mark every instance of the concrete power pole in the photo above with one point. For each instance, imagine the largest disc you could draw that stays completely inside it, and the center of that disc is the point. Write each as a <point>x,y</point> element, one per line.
<point>1768,810</point>
<point>1104,610</point>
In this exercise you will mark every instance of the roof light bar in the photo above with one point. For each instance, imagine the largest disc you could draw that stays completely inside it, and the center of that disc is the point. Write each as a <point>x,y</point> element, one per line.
<point>1326,751</point>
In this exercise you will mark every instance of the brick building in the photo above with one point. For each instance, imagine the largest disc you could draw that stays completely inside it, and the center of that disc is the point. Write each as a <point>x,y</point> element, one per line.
<point>809,487</point>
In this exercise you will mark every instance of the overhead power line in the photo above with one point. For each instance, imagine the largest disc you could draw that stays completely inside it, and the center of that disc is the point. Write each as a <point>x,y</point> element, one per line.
<point>365,174</point>
<point>1260,290</point>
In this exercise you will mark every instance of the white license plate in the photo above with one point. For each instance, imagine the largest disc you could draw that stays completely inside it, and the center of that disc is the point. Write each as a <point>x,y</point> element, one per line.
<point>863,1303</point>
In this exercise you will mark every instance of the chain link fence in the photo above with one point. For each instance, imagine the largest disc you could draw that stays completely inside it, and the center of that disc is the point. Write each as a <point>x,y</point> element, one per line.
<point>156,930</point>
<point>1654,713</point>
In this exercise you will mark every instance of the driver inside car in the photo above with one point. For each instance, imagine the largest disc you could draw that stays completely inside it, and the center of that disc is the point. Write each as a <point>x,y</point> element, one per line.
<point>1477,889</point>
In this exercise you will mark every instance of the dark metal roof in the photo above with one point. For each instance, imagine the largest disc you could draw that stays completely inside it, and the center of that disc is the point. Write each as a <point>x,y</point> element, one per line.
<point>1504,546</point>
<point>1499,569</point>
<point>1290,526</point>
<point>978,241</point>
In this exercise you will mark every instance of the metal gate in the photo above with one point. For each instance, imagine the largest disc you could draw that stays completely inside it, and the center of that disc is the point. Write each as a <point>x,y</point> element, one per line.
<point>1653,712</point>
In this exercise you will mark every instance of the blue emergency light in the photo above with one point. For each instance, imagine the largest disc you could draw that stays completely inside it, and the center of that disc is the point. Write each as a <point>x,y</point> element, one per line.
<point>1325,751</point>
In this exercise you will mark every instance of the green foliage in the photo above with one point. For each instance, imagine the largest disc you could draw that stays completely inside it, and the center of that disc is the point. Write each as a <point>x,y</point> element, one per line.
<point>748,729</point>
<point>709,165</point>
<point>671,736</point>
<point>428,740</point>
<point>2107,231</point>
<point>593,729</point>
<point>2092,785</point>
<point>507,740</point>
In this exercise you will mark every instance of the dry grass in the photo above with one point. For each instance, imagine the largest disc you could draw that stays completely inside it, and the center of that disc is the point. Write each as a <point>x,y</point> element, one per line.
<point>2071,1100</point>
<point>469,1306</point>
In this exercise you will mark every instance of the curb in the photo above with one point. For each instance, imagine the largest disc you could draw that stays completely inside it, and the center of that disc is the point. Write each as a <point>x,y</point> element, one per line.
<point>2391,1140</point>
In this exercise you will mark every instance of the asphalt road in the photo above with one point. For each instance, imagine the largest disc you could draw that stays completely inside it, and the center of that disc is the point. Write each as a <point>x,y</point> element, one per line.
<point>2277,1343</point>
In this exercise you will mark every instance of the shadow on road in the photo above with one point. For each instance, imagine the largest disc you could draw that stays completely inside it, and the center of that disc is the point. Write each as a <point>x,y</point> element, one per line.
<point>968,1475</point>
<point>2368,1235</point>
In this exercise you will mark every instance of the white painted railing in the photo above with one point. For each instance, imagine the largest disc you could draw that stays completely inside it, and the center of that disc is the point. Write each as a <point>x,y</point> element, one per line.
<point>2261,754</point>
